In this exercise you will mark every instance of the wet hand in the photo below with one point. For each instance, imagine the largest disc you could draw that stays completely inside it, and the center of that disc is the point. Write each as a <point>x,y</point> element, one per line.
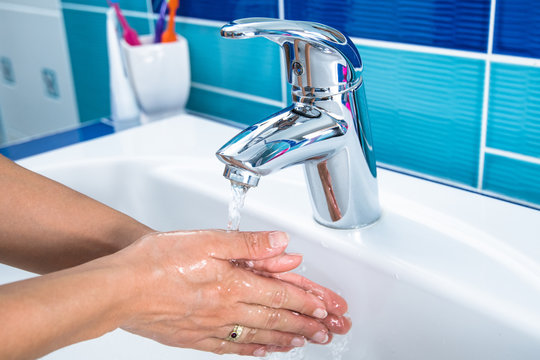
<point>189,294</point>
<point>279,266</point>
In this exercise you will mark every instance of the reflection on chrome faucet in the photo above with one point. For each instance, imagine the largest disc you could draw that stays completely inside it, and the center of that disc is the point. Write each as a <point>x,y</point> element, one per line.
<point>327,128</point>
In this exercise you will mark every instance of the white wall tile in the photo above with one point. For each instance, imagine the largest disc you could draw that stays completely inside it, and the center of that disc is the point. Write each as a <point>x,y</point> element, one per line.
<point>34,41</point>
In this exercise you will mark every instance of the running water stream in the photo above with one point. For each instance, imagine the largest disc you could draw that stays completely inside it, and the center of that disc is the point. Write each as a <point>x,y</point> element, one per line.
<point>236,204</point>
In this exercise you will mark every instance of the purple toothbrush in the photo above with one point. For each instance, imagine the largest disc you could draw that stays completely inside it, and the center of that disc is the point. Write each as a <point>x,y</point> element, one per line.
<point>160,25</point>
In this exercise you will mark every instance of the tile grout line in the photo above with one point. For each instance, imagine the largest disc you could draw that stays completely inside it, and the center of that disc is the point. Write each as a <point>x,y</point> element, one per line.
<point>512,155</point>
<point>432,50</point>
<point>282,65</point>
<point>149,15</point>
<point>418,48</point>
<point>485,100</point>
<point>28,9</point>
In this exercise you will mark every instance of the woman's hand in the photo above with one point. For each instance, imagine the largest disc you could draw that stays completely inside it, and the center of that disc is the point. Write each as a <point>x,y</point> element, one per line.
<point>190,293</point>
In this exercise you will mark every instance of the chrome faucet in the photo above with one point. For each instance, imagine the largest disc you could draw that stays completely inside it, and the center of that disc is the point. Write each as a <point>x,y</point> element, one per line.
<point>326,128</point>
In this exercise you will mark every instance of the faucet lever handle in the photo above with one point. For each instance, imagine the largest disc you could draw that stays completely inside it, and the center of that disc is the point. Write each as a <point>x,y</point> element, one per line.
<point>274,29</point>
<point>321,61</point>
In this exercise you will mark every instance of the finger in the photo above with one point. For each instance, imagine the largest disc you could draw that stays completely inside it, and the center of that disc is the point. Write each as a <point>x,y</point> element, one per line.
<point>328,340</point>
<point>270,292</point>
<point>334,303</point>
<point>261,245</point>
<point>337,324</point>
<point>265,318</point>
<point>220,346</point>
<point>261,336</point>
<point>277,264</point>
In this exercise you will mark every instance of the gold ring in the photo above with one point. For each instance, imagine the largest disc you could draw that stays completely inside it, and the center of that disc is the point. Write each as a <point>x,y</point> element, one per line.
<point>234,335</point>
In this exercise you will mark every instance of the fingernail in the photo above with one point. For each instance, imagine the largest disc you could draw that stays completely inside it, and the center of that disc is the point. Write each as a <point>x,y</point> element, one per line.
<point>320,337</point>
<point>260,352</point>
<point>320,313</point>
<point>298,341</point>
<point>278,239</point>
<point>289,258</point>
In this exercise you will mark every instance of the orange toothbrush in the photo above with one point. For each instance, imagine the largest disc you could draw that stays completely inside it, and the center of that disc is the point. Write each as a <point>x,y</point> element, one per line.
<point>169,35</point>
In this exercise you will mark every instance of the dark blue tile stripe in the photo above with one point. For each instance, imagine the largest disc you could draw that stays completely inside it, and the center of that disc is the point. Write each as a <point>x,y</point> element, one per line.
<point>225,10</point>
<point>517,28</point>
<point>55,141</point>
<point>456,24</point>
<point>133,5</point>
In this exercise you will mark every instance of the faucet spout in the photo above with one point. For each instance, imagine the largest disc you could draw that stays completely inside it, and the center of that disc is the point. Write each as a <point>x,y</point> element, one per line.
<point>292,136</point>
<point>326,129</point>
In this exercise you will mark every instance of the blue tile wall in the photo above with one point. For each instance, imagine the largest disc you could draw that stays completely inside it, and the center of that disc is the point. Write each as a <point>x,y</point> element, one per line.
<point>457,24</point>
<point>249,66</point>
<point>514,178</point>
<point>425,111</point>
<point>226,107</point>
<point>517,30</point>
<point>426,104</point>
<point>514,109</point>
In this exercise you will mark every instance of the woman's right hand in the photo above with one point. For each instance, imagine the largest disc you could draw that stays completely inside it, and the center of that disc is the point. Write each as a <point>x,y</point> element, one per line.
<point>189,294</point>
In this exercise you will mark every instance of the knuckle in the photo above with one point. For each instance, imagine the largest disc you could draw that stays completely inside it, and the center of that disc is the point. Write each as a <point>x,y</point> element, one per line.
<point>279,298</point>
<point>251,243</point>
<point>307,326</point>
<point>272,318</point>
<point>250,335</point>
<point>220,348</point>
<point>284,339</point>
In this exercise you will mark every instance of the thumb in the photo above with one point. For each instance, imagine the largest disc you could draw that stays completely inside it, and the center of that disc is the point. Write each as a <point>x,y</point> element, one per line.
<point>249,245</point>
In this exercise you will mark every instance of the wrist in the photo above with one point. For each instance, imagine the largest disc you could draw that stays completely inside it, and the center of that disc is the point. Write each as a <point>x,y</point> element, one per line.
<point>134,277</point>
<point>126,233</point>
<point>121,288</point>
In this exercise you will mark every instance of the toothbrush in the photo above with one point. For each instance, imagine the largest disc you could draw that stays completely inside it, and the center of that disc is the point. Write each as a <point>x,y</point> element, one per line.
<point>130,35</point>
<point>169,35</point>
<point>161,21</point>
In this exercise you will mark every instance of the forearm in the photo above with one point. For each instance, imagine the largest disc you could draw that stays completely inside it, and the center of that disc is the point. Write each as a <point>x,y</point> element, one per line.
<point>45,226</point>
<point>46,313</point>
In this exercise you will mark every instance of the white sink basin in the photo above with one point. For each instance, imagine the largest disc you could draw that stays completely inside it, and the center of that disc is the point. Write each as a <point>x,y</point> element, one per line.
<point>445,273</point>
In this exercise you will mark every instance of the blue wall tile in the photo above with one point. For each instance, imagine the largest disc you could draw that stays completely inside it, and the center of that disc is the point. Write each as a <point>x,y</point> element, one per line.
<point>517,28</point>
<point>225,10</point>
<point>513,178</point>
<point>239,110</point>
<point>87,42</point>
<point>457,24</point>
<point>250,66</point>
<point>425,111</point>
<point>137,5</point>
<point>514,109</point>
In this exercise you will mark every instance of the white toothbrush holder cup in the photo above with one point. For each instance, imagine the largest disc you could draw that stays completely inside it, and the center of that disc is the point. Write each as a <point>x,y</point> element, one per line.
<point>160,76</point>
